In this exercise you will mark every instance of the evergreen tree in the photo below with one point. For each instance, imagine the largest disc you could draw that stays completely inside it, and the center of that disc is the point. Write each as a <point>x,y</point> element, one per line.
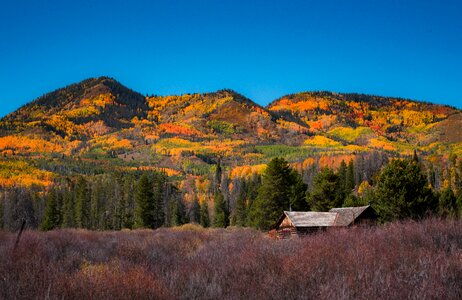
<point>145,206</point>
<point>128,206</point>
<point>459,203</point>
<point>160,182</point>
<point>82,204</point>
<point>239,215</point>
<point>327,191</point>
<point>402,191</point>
<point>352,201</point>
<point>221,213</point>
<point>273,195</point>
<point>68,210</point>
<point>415,157</point>
<point>217,177</point>
<point>350,178</point>
<point>448,203</point>
<point>51,218</point>
<point>297,193</point>
<point>194,213</point>
<point>178,211</point>
<point>95,204</point>
<point>204,215</point>
<point>342,177</point>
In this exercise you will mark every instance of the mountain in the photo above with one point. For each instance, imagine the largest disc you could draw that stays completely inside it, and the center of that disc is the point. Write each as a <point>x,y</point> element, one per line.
<point>75,109</point>
<point>111,127</point>
<point>347,118</point>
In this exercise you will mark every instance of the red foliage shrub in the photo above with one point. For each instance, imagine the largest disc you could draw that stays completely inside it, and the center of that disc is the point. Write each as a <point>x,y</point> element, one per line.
<point>421,260</point>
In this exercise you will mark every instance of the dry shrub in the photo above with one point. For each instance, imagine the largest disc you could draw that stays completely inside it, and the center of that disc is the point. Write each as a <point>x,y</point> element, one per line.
<point>416,260</point>
<point>111,281</point>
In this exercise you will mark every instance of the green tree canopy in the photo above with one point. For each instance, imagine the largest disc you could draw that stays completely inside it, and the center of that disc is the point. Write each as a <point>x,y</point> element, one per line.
<point>448,203</point>
<point>52,216</point>
<point>204,215</point>
<point>82,204</point>
<point>144,213</point>
<point>221,211</point>
<point>327,191</point>
<point>402,191</point>
<point>280,189</point>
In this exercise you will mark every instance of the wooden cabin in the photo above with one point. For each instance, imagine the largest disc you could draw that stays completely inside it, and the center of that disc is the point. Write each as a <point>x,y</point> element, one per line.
<point>299,223</point>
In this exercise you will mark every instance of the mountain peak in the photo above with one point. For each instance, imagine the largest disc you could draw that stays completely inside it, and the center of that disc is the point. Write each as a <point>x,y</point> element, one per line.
<point>87,88</point>
<point>91,100</point>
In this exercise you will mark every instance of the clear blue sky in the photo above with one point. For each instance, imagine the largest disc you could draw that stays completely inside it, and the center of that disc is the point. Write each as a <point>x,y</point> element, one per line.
<point>262,49</point>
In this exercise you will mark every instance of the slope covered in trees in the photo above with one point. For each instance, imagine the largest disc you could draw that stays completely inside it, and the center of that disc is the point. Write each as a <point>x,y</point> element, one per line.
<point>212,148</point>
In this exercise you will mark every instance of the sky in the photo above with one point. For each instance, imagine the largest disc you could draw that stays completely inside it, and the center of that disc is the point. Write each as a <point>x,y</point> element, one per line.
<point>261,49</point>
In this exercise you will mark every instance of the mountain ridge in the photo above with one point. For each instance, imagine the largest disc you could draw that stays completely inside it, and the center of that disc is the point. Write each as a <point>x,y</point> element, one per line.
<point>101,120</point>
<point>349,96</point>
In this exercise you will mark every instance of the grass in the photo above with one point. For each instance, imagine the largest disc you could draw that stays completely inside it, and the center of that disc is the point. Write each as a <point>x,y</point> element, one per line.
<point>290,153</point>
<point>418,260</point>
<point>349,135</point>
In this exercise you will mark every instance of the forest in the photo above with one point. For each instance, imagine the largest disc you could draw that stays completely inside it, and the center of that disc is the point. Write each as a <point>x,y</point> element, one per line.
<point>398,189</point>
<point>97,155</point>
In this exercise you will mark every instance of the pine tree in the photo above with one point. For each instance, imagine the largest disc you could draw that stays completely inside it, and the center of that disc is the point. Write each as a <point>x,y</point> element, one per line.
<point>327,191</point>
<point>68,210</point>
<point>448,203</point>
<point>95,205</point>
<point>217,177</point>
<point>178,212</point>
<point>459,203</point>
<point>239,217</point>
<point>128,203</point>
<point>350,178</point>
<point>194,213</point>
<point>297,193</point>
<point>415,157</point>
<point>273,195</point>
<point>221,212</point>
<point>82,204</point>
<point>159,184</point>
<point>204,215</point>
<point>342,176</point>
<point>51,218</point>
<point>402,192</point>
<point>145,203</point>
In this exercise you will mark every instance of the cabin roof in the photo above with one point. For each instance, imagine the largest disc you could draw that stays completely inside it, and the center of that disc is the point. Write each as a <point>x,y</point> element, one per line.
<point>343,216</point>
<point>347,215</point>
<point>311,218</point>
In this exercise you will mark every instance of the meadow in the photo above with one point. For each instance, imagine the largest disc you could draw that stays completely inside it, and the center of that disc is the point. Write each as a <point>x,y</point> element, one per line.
<point>401,260</point>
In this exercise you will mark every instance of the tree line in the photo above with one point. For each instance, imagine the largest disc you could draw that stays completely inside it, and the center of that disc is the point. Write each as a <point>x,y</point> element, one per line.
<point>400,189</point>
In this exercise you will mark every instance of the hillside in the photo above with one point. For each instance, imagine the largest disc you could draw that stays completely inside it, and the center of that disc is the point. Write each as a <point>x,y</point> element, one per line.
<point>99,125</point>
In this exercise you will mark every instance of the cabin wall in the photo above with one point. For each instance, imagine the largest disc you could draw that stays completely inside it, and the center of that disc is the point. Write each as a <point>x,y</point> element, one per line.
<point>286,223</point>
<point>367,218</point>
<point>287,233</point>
<point>309,230</point>
<point>293,232</point>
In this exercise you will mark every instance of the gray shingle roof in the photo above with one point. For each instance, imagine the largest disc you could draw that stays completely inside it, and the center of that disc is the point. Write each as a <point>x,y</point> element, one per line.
<point>311,218</point>
<point>347,215</point>
<point>343,216</point>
